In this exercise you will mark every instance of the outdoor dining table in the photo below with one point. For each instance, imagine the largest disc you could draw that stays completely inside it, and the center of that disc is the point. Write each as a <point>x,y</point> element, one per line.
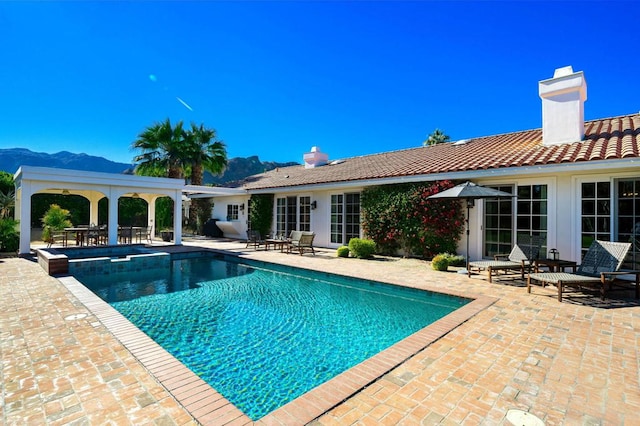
<point>80,231</point>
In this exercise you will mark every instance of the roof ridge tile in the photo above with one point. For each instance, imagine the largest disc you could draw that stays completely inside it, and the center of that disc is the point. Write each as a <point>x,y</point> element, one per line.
<point>607,138</point>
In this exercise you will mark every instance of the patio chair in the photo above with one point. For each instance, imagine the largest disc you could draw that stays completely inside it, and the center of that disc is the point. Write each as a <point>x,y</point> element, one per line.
<point>520,259</point>
<point>103,235</point>
<point>57,237</point>
<point>294,236</point>
<point>304,243</point>
<point>92,236</point>
<point>254,239</point>
<point>292,240</point>
<point>125,234</point>
<point>143,234</point>
<point>97,235</point>
<point>599,268</point>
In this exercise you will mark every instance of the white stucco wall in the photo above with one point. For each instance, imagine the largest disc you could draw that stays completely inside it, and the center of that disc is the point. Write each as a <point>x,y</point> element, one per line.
<point>235,228</point>
<point>563,202</point>
<point>564,208</point>
<point>320,216</point>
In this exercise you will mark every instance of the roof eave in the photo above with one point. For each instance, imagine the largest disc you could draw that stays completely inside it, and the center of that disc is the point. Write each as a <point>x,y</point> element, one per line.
<point>590,166</point>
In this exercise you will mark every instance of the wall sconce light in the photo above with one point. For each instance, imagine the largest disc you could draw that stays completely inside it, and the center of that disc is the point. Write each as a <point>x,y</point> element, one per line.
<point>242,207</point>
<point>314,205</point>
<point>65,192</point>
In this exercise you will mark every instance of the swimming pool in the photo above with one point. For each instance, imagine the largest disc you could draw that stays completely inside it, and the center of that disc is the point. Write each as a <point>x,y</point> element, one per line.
<point>263,336</point>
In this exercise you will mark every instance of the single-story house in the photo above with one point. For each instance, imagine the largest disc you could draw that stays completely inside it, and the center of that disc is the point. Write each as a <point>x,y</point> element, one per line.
<point>574,181</point>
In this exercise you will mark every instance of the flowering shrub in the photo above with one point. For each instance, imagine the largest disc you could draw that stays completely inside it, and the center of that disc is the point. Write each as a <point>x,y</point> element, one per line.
<point>401,217</point>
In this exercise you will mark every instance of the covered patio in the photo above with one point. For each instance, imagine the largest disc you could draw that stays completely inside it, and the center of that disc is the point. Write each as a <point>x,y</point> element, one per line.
<point>94,186</point>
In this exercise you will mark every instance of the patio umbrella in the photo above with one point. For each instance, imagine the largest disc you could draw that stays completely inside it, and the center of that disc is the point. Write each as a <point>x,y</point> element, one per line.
<point>469,191</point>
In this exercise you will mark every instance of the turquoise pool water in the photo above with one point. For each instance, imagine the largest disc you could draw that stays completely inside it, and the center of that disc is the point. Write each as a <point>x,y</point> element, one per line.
<point>260,334</point>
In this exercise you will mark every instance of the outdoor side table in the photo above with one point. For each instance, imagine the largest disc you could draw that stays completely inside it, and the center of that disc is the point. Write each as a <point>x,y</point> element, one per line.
<point>275,243</point>
<point>554,265</point>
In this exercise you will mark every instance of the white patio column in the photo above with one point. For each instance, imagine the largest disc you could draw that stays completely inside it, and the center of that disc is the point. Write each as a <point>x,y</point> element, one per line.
<point>23,214</point>
<point>94,198</point>
<point>177,217</point>
<point>113,216</point>
<point>151,214</point>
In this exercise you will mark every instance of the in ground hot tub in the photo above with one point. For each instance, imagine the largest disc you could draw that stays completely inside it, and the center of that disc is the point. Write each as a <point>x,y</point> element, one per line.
<point>101,259</point>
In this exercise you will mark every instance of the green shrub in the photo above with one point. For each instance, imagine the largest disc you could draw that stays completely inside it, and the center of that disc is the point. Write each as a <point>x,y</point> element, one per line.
<point>440,263</point>
<point>261,212</point>
<point>9,235</point>
<point>361,248</point>
<point>55,219</point>
<point>454,259</point>
<point>342,251</point>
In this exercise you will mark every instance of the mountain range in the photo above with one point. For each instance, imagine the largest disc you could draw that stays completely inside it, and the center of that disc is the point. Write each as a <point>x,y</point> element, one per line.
<point>12,158</point>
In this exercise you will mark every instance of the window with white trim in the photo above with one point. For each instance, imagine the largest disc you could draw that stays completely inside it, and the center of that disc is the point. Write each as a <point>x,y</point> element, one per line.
<point>498,223</point>
<point>232,211</point>
<point>628,219</point>
<point>595,223</point>
<point>304,214</point>
<point>345,217</point>
<point>531,216</point>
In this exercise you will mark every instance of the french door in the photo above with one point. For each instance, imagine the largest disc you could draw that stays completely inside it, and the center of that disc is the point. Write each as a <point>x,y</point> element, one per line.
<point>293,214</point>
<point>525,217</point>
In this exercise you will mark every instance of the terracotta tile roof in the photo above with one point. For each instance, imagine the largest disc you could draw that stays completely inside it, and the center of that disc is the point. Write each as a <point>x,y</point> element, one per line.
<point>605,139</point>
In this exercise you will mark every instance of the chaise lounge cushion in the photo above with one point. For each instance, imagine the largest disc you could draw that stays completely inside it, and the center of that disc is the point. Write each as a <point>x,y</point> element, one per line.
<point>520,258</point>
<point>304,243</point>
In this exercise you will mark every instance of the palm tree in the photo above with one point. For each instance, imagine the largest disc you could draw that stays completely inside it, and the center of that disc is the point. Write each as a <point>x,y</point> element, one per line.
<point>162,156</point>
<point>203,151</point>
<point>438,136</point>
<point>163,150</point>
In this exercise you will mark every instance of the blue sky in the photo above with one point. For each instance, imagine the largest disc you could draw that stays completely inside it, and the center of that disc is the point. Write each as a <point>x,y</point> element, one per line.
<point>276,78</point>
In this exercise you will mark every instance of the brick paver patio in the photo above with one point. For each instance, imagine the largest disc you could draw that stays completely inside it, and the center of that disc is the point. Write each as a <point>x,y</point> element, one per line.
<point>574,362</point>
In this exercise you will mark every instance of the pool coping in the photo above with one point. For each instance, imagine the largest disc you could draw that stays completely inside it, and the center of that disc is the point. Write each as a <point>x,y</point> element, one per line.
<point>208,406</point>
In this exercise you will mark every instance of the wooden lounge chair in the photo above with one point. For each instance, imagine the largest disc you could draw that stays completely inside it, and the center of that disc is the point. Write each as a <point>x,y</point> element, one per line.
<point>304,243</point>
<point>254,239</point>
<point>520,259</point>
<point>599,268</point>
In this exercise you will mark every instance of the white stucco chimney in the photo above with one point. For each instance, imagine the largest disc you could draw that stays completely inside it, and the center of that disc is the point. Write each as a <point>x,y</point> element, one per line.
<point>315,158</point>
<point>563,99</point>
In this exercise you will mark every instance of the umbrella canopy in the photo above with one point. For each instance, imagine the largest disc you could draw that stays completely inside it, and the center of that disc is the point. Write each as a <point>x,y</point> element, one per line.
<point>471,190</point>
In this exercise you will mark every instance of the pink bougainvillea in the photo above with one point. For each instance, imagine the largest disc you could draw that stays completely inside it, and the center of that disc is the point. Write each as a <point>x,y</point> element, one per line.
<point>401,217</point>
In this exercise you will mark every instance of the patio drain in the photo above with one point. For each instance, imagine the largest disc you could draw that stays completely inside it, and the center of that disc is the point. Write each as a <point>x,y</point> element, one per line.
<point>75,317</point>
<point>522,418</point>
